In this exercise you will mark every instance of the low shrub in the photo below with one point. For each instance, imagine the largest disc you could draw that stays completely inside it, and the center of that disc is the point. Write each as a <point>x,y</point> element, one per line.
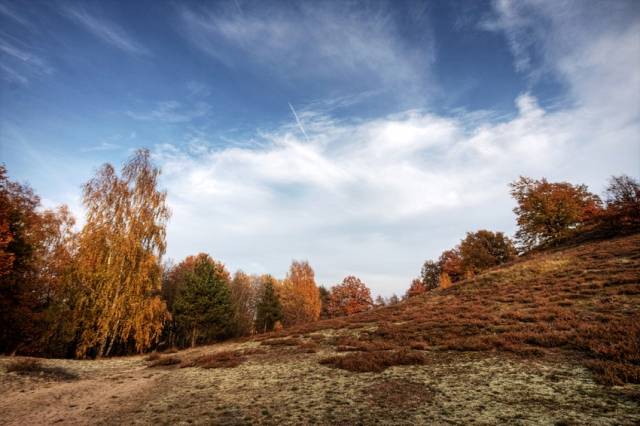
<point>224,359</point>
<point>32,367</point>
<point>164,361</point>
<point>374,361</point>
<point>282,342</point>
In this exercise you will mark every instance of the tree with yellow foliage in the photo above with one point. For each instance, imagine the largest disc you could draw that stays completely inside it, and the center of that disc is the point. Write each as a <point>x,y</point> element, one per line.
<point>118,263</point>
<point>299,295</point>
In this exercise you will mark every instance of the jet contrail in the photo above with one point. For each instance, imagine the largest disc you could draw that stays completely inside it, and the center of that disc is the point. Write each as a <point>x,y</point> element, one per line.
<point>298,121</point>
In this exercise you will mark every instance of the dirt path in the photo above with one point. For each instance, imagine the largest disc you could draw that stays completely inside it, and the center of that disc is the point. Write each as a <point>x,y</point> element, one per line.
<point>282,387</point>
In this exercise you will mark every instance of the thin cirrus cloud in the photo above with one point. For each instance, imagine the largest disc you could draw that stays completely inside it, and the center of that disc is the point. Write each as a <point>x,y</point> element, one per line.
<point>377,197</point>
<point>172,112</point>
<point>310,40</point>
<point>19,62</point>
<point>105,30</point>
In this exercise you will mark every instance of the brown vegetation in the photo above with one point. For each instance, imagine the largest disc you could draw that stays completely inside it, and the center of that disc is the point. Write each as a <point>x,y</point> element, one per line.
<point>582,303</point>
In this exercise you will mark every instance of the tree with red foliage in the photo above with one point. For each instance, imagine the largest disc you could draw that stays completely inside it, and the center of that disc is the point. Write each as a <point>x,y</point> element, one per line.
<point>622,202</point>
<point>350,297</point>
<point>35,254</point>
<point>451,264</point>
<point>550,212</point>
<point>417,288</point>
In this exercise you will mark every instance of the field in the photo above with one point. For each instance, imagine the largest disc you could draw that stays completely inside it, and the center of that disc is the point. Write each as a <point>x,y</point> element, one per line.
<point>553,338</point>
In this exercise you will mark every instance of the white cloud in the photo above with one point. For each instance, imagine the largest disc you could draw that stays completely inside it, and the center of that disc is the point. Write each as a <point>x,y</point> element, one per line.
<point>106,31</point>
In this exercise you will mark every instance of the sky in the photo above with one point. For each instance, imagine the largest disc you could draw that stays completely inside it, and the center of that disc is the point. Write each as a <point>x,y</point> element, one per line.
<point>364,137</point>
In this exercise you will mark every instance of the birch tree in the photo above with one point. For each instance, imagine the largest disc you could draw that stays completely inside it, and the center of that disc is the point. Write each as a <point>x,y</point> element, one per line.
<point>120,249</point>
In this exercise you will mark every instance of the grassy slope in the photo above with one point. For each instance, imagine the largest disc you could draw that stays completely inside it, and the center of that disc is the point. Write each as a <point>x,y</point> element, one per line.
<point>538,341</point>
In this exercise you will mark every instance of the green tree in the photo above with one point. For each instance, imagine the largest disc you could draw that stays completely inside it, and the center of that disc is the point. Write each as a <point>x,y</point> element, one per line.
<point>324,300</point>
<point>268,309</point>
<point>430,274</point>
<point>485,249</point>
<point>203,310</point>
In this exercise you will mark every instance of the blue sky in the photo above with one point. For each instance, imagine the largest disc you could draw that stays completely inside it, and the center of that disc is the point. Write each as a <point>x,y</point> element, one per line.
<point>365,137</point>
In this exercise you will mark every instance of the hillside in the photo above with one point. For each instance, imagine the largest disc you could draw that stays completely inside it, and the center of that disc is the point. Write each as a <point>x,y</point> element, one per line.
<point>553,338</point>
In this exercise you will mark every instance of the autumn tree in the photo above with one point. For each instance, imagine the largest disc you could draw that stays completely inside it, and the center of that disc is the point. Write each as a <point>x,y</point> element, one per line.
<point>119,254</point>
<point>243,301</point>
<point>268,308</point>
<point>202,309</point>
<point>35,251</point>
<point>349,297</point>
<point>416,288</point>
<point>451,265</point>
<point>622,199</point>
<point>430,274</point>
<point>299,295</point>
<point>549,212</point>
<point>393,299</point>
<point>485,249</point>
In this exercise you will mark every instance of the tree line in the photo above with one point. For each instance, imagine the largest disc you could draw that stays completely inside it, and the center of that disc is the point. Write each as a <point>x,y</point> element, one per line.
<point>548,214</point>
<point>104,290</point>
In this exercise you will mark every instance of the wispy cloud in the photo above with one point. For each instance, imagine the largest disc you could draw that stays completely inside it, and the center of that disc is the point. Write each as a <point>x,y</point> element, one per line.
<point>105,30</point>
<point>19,62</point>
<point>305,42</point>
<point>379,196</point>
<point>172,112</point>
<point>104,146</point>
<point>11,13</point>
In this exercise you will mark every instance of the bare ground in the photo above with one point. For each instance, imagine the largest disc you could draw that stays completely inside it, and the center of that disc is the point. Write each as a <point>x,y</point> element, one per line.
<point>285,387</point>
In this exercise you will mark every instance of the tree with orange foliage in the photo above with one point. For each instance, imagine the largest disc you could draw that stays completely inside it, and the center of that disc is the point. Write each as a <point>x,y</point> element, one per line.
<point>118,265</point>
<point>299,295</point>
<point>417,288</point>
<point>550,212</point>
<point>350,297</point>
<point>451,264</point>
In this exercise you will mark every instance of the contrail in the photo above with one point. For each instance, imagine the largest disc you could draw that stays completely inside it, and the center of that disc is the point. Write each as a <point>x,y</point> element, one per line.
<point>298,121</point>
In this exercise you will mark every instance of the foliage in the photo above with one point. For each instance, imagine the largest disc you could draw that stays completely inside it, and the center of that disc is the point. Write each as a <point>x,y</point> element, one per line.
<point>299,295</point>
<point>430,274</point>
<point>417,288</point>
<point>202,309</point>
<point>243,301</point>
<point>324,301</point>
<point>622,199</point>
<point>118,262</point>
<point>550,212</point>
<point>36,249</point>
<point>268,309</point>
<point>350,297</point>
<point>485,249</point>
<point>451,264</point>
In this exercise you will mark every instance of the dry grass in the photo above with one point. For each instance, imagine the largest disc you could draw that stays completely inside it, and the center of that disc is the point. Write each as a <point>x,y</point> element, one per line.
<point>375,361</point>
<point>582,302</point>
